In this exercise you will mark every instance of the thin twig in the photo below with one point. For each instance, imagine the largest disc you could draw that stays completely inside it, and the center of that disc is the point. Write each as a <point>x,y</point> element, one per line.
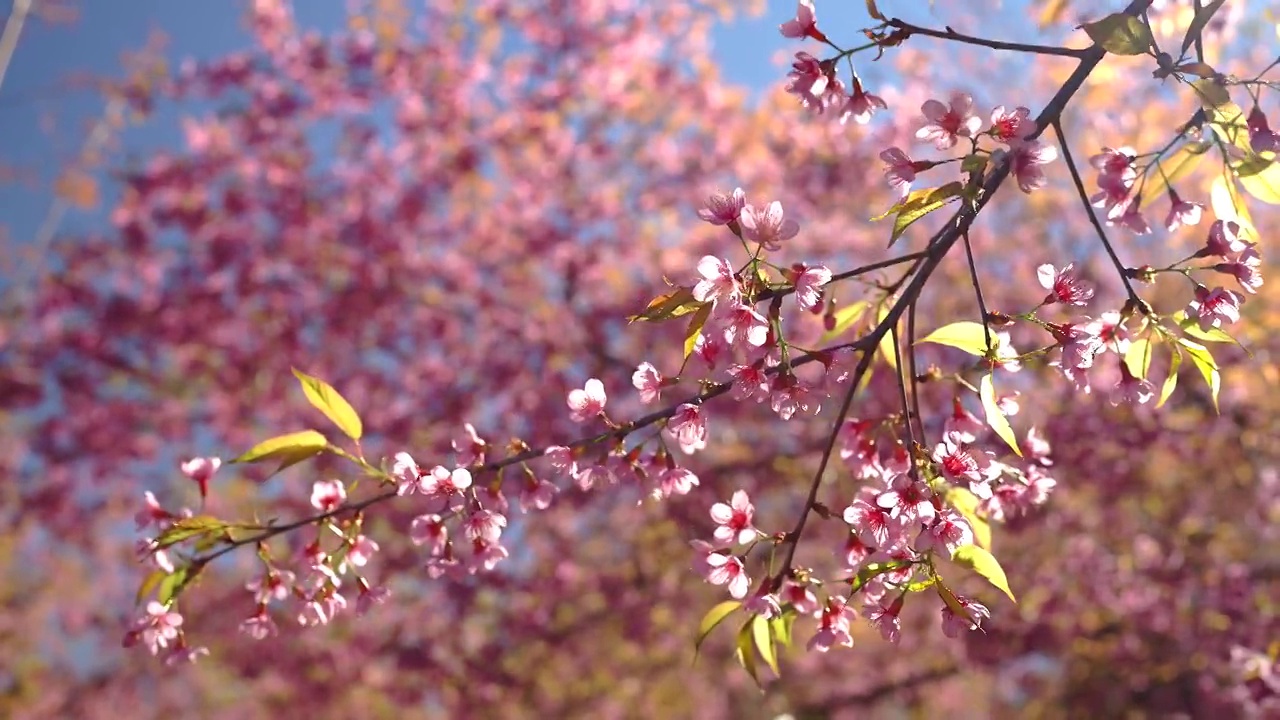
<point>1093,218</point>
<point>977,289</point>
<point>902,397</point>
<point>911,369</point>
<point>950,34</point>
<point>770,294</point>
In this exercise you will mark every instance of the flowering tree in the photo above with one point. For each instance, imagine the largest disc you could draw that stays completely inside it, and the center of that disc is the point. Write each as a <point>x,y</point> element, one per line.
<point>537,356</point>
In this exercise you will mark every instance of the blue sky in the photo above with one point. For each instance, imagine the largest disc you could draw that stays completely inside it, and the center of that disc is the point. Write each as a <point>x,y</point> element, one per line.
<point>44,123</point>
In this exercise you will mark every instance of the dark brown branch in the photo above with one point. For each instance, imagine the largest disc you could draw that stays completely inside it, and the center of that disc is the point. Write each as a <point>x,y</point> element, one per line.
<point>954,36</point>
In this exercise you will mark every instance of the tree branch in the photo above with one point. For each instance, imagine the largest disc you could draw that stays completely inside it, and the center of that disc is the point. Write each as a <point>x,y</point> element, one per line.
<point>954,36</point>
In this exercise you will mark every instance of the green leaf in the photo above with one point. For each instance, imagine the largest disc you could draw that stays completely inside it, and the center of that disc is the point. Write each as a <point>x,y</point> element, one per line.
<point>985,564</point>
<point>187,528</point>
<point>965,335</point>
<point>1212,94</point>
<point>871,570</point>
<point>1261,179</point>
<point>1138,358</point>
<point>966,503</point>
<point>974,163</point>
<point>1120,34</point>
<point>746,655</point>
<point>1204,362</point>
<point>995,417</point>
<point>781,627</point>
<point>149,583</point>
<point>764,643</point>
<point>918,204</point>
<point>171,585</point>
<point>1174,168</point>
<point>288,449</point>
<point>324,398</point>
<point>949,599</point>
<point>921,585</point>
<point>1199,22</point>
<point>669,305</point>
<point>1170,382</point>
<point>1228,204</point>
<point>845,318</point>
<point>712,619</point>
<point>696,323</point>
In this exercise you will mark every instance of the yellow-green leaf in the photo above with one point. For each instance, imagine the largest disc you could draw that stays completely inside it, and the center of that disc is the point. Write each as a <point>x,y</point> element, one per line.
<point>1199,22</point>
<point>1204,362</point>
<point>288,449</point>
<point>712,619</point>
<point>1171,170</point>
<point>1138,358</point>
<point>329,401</point>
<point>1228,205</point>
<point>1263,179</point>
<point>966,503</point>
<point>746,655</point>
<point>696,323</point>
<point>995,417</point>
<point>781,627</point>
<point>1170,382</point>
<point>845,317</point>
<point>1120,34</point>
<point>187,528</point>
<point>918,204</point>
<point>985,564</point>
<point>1212,94</point>
<point>148,584</point>
<point>674,304</point>
<point>170,585</point>
<point>965,335</point>
<point>764,642</point>
<point>949,599</point>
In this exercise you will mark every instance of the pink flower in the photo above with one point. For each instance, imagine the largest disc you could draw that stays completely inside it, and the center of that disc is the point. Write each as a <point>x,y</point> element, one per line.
<point>1131,219</point>
<point>833,626</point>
<point>790,395</point>
<point>948,532</point>
<point>361,550</point>
<point>1064,285</point>
<point>964,425</point>
<point>588,402</point>
<point>259,627</point>
<point>1011,127</point>
<point>1131,390</point>
<point>484,525</point>
<point>429,529</point>
<point>854,552</point>
<point>885,619</point>
<point>151,513</point>
<point>947,124</point>
<point>469,446</point>
<point>767,226</point>
<point>371,597</point>
<point>809,286</point>
<point>734,519</point>
<point>723,209</point>
<point>709,349</point>
<point>1224,239</point>
<point>327,495</point>
<point>156,629</point>
<point>1261,137</point>
<point>1244,270</point>
<point>718,281</point>
<point>952,625</point>
<point>1213,307</point>
<point>960,464</point>
<point>405,470</point>
<point>1028,158</point>
<point>1181,212</point>
<point>201,470</point>
<point>648,381</point>
<point>799,597</point>
<point>740,322</point>
<point>442,482</point>
<point>1006,354</point>
<point>1110,331</point>
<point>871,523</point>
<point>764,604</point>
<point>900,170</point>
<point>689,427</point>
<point>861,105</point>
<point>724,569</point>
<point>908,501</point>
<point>815,84</point>
<point>805,23</point>
<point>275,586</point>
<point>676,481</point>
<point>537,494</point>
<point>1115,170</point>
<point>749,382</point>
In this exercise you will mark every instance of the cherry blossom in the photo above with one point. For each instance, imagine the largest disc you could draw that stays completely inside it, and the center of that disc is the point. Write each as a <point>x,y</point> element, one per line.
<point>1214,307</point>
<point>725,569</point>
<point>870,522</point>
<point>157,629</point>
<point>1224,240</point>
<point>648,381</point>
<point>733,520</point>
<point>899,170</point>
<point>861,105</point>
<point>469,446</point>
<point>688,425</point>
<point>767,226</point>
<point>721,209</point>
<point>588,402</point>
<point>718,281</point>
<point>953,625</point>
<point>885,619</point>
<point>809,286</point>
<point>1027,160</point>
<point>1246,269</point>
<point>741,323</point>
<point>328,495</point>
<point>1181,212</point>
<point>201,470</point>
<point>946,124</point>
<point>1011,126</point>
<point>833,627</point>
<point>1064,285</point>
<point>676,481</point>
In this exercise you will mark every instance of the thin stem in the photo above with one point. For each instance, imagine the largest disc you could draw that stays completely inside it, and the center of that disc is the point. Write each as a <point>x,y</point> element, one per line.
<point>950,34</point>
<point>977,289</point>
<point>770,294</point>
<point>1093,218</point>
<point>911,370</point>
<point>902,397</point>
